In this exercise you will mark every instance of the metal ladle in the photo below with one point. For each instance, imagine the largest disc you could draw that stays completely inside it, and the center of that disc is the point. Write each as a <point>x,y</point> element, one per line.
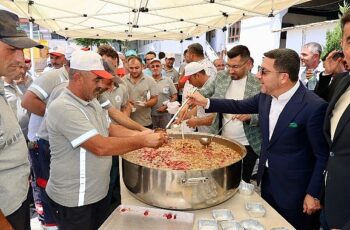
<point>183,105</point>
<point>206,140</point>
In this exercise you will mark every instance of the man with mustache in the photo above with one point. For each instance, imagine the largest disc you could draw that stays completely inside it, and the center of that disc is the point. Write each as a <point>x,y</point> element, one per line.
<point>82,141</point>
<point>14,167</point>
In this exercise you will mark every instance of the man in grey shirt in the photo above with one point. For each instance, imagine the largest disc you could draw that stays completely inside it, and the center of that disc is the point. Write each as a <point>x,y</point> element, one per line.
<point>167,92</point>
<point>143,92</point>
<point>82,141</point>
<point>14,167</point>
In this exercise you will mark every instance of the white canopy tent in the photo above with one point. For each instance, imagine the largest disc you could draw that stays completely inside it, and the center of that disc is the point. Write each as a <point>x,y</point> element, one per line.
<point>141,19</point>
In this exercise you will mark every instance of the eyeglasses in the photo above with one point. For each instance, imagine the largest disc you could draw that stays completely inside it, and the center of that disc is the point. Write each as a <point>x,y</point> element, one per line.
<point>262,71</point>
<point>236,66</point>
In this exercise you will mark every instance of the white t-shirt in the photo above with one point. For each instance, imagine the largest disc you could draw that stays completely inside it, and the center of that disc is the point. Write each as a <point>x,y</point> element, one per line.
<point>234,129</point>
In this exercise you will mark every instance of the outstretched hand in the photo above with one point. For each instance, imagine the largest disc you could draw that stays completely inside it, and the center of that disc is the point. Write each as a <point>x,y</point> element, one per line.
<point>197,99</point>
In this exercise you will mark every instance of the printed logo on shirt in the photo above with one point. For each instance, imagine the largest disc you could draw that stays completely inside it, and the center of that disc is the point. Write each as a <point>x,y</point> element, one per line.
<point>118,98</point>
<point>166,90</point>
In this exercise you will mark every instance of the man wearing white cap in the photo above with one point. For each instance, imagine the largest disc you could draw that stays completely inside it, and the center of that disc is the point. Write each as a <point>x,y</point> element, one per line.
<point>167,92</point>
<point>34,100</point>
<point>169,68</point>
<point>57,56</point>
<point>14,168</point>
<point>82,141</point>
<point>197,118</point>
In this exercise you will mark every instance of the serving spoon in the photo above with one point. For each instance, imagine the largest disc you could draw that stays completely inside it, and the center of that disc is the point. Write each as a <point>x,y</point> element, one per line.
<point>183,105</point>
<point>206,140</point>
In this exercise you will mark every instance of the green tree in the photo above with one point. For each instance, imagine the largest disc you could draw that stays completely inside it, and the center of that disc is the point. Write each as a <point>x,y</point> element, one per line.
<point>88,42</point>
<point>333,37</point>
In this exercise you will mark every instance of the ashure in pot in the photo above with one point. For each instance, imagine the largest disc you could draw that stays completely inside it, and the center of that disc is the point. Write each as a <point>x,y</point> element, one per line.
<point>185,189</point>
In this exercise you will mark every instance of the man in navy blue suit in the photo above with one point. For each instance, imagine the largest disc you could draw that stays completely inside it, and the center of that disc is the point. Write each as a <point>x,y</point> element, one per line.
<point>294,151</point>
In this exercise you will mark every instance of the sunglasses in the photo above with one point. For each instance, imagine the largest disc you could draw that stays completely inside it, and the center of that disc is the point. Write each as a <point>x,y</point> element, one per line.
<point>263,71</point>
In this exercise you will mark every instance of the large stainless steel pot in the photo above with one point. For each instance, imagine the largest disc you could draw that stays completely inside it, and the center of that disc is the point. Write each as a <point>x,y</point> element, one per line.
<point>185,189</point>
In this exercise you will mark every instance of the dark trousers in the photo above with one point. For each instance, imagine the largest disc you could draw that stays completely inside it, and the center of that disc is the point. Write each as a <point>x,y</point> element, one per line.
<point>20,219</point>
<point>248,164</point>
<point>114,186</point>
<point>41,168</point>
<point>295,217</point>
<point>87,217</point>
<point>34,164</point>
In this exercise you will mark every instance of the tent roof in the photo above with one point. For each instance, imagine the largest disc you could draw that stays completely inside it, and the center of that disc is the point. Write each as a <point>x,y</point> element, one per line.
<point>141,19</point>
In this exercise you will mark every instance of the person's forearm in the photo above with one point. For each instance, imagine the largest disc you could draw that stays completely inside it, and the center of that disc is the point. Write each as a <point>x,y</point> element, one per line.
<point>151,102</point>
<point>33,104</point>
<point>205,121</point>
<point>108,146</point>
<point>124,120</point>
<point>121,131</point>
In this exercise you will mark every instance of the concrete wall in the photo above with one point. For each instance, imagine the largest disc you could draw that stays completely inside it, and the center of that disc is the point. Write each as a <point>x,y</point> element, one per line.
<point>297,37</point>
<point>257,34</point>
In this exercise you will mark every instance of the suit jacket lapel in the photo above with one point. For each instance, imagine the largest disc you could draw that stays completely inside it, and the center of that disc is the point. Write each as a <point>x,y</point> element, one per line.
<point>342,122</point>
<point>342,86</point>
<point>264,119</point>
<point>294,105</point>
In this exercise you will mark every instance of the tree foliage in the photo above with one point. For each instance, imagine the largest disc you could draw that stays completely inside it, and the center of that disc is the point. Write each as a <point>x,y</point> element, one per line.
<point>88,42</point>
<point>333,37</point>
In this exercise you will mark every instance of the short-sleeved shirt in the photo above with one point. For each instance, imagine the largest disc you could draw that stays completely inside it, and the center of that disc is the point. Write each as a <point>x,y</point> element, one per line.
<point>14,98</point>
<point>77,176</point>
<point>14,164</point>
<point>209,67</point>
<point>42,132</point>
<point>173,75</point>
<point>119,96</point>
<point>42,87</point>
<point>145,88</point>
<point>166,89</point>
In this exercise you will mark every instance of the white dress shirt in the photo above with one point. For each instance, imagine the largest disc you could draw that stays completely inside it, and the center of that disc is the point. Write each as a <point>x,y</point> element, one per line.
<point>339,108</point>
<point>277,106</point>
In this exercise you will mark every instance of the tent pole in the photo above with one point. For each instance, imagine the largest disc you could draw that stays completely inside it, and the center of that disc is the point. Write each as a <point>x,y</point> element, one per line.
<point>32,70</point>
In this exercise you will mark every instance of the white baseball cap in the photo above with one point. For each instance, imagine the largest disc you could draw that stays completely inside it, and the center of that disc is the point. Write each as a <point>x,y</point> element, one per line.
<point>89,61</point>
<point>69,51</point>
<point>170,55</point>
<point>192,68</point>
<point>155,59</point>
<point>57,51</point>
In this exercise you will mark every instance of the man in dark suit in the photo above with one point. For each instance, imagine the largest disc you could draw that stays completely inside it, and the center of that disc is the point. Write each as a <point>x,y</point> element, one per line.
<point>337,130</point>
<point>294,152</point>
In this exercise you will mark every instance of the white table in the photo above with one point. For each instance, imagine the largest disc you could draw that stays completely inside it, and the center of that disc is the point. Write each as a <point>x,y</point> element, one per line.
<point>236,204</point>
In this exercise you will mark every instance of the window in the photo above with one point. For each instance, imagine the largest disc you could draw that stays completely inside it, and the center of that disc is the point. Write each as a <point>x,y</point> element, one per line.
<point>234,32</point>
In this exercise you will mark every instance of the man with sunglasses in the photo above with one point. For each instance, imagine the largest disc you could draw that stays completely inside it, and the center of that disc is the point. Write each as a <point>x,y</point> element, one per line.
<point>294,152</point>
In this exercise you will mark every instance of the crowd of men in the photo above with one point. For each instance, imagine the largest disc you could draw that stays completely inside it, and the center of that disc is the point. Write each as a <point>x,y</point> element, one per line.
<point>62,132</point>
